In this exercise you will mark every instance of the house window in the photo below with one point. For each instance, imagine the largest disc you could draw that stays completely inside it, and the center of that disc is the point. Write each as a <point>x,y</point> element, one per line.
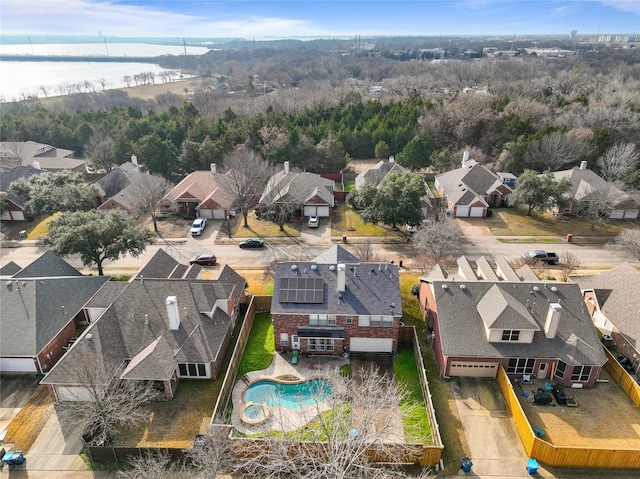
<point>520,366</point>
<point>581,373</point>
<point>322,320</point>
<point>192,370</point>
<point>375,321</point>
<point>560,369</point>
<point>349,319</point>
<point>363,320</point>
<point>284,339</point>
<point>510,335</point>
<point>320,344</point>
<point>387,321</point>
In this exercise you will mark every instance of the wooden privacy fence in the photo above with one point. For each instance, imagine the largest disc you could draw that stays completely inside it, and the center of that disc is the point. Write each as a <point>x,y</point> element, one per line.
<point>562,456</point>
<point>257,304</point>
<point>627,383</point>
<point>124,454</point>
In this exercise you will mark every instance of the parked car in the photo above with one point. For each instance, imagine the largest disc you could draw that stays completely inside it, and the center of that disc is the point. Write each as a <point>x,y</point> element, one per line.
<point>314,222</point>
<point>540,255</point>
<point>204,260</point>
<point>198,226</point>
<point>251,243</point>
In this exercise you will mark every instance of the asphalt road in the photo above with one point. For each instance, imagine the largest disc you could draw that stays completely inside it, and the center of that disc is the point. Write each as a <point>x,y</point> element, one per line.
<point>477,242</point>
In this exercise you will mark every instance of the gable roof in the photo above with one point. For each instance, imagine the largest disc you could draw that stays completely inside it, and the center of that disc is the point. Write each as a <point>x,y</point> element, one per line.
<point>370,288</point>
<point>336,254</point>
<point>469,184</point>
<point>48,264</point>
<point>585,182</point>
<point>9,269</point>
<point>303,187</point>
<point>200,187</point>
<point>618,293</point>
<point>116,180</point>
<point>33,310</point>
<point>15,174</point>
<point>15,153</point>
<point>462,325</point>
<point>377,173</point>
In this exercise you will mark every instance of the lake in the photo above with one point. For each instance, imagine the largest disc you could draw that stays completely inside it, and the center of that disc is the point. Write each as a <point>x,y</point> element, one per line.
<point>21,79</point>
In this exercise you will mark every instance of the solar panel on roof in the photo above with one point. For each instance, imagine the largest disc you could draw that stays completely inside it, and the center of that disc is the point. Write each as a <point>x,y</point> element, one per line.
<point>301,290</point>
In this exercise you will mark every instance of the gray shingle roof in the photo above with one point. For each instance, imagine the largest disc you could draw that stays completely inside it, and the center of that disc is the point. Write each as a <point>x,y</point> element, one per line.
<point>301,187</point>
<point>161,265</point>
<point>462,329</point>
<point>371,289</point>
<point>618,293</point>
<point>465,185</point>
<point>378,173</point>
<point>9,269</point>
<point>334,255</point>
<point>15,174</point>
<point>585,182</point>
<point>47,265</point>
<point>34,310</point>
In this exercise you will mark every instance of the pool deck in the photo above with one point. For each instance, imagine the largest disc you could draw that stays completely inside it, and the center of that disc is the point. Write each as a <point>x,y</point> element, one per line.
<point>282,419</point>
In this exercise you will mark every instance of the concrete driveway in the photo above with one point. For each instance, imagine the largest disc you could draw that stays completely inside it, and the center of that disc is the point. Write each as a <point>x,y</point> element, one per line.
<point>495,447</point>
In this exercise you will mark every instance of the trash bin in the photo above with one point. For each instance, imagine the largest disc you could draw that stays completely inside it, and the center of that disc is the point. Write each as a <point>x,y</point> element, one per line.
<point>569,238</point>
<point>400,263</point>
<point>532,467</point>
<point>466,464</point>
<point>344,238</point>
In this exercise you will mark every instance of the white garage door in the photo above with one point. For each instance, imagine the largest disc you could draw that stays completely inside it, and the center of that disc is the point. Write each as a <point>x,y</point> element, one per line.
<point>322,211</point>
<point>617,214</point>
<point>477,211</point>
<point>18,365</point>
<point>219,214</point>
<point>462,211</point>
<point>631,214</point>
<point>371,345</point>
<point>205,213</point>
<point>73,393</point>
<point>482,370</point>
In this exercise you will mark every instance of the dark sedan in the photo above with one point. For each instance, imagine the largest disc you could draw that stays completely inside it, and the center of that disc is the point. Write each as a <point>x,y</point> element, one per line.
<point>251,243</point>
<point>204,260</point>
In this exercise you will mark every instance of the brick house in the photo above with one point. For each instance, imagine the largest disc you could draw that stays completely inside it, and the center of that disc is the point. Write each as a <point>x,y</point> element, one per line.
<point>485,315</point>
<point>336,304</point>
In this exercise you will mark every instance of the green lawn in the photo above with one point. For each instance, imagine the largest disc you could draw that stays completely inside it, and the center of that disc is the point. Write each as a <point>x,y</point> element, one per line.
<point>515,222</point>
<point>258,353</point>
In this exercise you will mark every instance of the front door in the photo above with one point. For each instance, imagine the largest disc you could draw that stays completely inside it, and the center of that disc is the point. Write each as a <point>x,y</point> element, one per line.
<point>542,372</point>
<point>295,342</point>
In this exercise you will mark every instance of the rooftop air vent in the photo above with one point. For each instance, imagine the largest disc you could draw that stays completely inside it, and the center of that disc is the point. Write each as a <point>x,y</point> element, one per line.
<point>294,267</point>
<point>314,267</point>
<point>89,337</point>
<point>462,286</point>
<point>554,289</point>
<point>536,289</point>
<point>444,286</point>
<point>332,267</point>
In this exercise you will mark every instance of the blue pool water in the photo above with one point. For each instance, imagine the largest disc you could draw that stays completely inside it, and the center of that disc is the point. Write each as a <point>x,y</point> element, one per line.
<point>289,396</point>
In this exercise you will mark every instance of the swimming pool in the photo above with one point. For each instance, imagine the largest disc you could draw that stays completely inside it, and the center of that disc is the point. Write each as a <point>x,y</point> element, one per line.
<point>295,396</point>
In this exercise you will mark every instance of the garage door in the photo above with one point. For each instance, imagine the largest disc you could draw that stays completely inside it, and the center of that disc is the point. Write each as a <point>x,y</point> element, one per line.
<point>480,370</point>
<point>631,214</point>
<point>205,213</point>
<point>477,212</point>
<point>18,365</point>
<point>219,214</point>
<point>371,345</point>
<point>462,211</point>
<point>617,214</point>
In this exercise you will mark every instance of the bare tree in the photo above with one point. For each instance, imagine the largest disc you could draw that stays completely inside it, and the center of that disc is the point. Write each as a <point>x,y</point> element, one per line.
<point>346,433</point>
<point>629,241</point>
<point>105,403</point>
<point>245,179</point>
<point>210,454</point>
<point>597,206</point>
<point>148,192</point>
<point>618,162</point>
<point>439,239</point>
<point>101,151</point>
<point>151,466</point>
<point>554,151</point>
<point>365,252</point>
<point>569,263</point>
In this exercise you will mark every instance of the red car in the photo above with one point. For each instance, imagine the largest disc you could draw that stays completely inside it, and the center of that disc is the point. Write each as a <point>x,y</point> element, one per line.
<point>204,260</point>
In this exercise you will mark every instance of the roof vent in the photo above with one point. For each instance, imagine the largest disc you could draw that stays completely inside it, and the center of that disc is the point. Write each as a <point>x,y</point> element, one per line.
<point>554,289</point>
<point>536,289</point>
<point>444,286</point>
<point>332,267</point>
<point>462,286</point>
<point>314,267</point>
<point>89,337</point>
<point>294,267</point>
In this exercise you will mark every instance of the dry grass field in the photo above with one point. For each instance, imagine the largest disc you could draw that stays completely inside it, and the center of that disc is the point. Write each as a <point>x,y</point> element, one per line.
<point>604,417</point>
<point>24,429</point>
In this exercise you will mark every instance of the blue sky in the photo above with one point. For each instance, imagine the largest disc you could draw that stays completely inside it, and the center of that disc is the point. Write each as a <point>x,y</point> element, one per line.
<point>307,18</point>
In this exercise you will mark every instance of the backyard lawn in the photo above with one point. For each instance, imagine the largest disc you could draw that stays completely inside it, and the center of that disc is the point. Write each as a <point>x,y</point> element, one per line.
<point>515,222</point>
<point>258,353</point>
